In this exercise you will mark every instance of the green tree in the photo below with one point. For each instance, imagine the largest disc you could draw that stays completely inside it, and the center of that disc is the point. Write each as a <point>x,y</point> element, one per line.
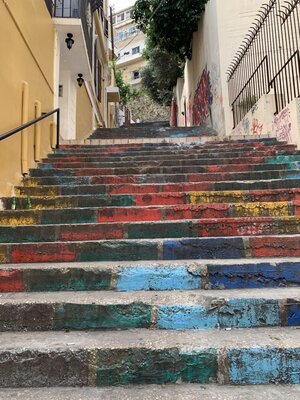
<point>169,24</point>
<point>160,74</point>
<point>127,93</point>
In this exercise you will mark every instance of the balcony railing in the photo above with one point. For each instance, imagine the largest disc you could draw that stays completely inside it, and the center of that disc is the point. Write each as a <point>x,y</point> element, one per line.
<point>67,8</point>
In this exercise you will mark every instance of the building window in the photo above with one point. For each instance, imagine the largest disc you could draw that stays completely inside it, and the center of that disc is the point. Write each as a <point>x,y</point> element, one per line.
<point>131,31</point>
<point>120,17</point>
<point>97,76</point>
<point>128,14</point>
<point>135,75</point>
<point>135,50</point>
<point>114,20</point>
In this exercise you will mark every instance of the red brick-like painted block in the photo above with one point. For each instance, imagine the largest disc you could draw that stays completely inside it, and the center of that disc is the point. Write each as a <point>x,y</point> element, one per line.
<point>166,199</point>
<point>131,189</point>
<point>233,227</point>
<point>296,204</point>
<point>197,211</point>
<point>11,281</point>
<point>129,214</point>
<point>188,187</point>
<point>46,252</point>
<point>229,168</point>
<point>94,171</point>
<point>213,177</point>
<point>113,180</point>
<point>275,246</point>
<point>91,232</point>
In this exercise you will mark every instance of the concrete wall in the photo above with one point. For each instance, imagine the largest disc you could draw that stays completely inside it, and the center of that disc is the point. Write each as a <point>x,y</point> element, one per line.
<point>84,117</point>
<point>260,121</point>
<point>27,54</point>
<point>220,32</point>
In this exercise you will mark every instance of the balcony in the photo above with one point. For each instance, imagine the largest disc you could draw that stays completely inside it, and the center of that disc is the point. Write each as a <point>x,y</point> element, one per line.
<point>77,9</point>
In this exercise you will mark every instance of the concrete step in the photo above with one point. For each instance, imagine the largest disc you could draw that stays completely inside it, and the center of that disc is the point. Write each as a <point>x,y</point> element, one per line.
<point>62,188</point>
<point>223,227</point>
<point>81,170</point>
<point>167,174</point>
<point>158,392</point>
<point>152,199</point>
<point>211,144</point>
<point>153,249</point>
<point>238,357</point>
<point>149,213</point>
<point>110,162</point>
<point>153,276</point>
<point>70,155</point>
<point>176,163</point>
<point>170,310</point>
<point>161,146</point>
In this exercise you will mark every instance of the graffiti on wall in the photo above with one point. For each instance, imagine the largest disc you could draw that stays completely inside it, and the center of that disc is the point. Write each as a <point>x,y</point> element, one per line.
<point>282,125</point>
<point>203,99</point>
<point>173,113</point>
<point>189,114</point>
<point>257,127</point>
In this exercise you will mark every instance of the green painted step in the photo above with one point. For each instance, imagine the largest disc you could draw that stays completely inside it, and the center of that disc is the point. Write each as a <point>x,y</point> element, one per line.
<point>238,357</point>
<point>164,310</point>
<point>252,226</point>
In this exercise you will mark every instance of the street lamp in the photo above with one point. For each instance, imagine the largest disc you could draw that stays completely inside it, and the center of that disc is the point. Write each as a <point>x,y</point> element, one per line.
<point>80,80</point>
<point>69,40</point>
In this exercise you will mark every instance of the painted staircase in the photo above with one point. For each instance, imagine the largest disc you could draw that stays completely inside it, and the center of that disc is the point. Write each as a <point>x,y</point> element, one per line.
<point>148,260</point>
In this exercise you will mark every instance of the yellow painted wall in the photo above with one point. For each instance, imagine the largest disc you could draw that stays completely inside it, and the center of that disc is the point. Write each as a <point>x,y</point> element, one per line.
<point>27,54</point>
<point>84,114</point>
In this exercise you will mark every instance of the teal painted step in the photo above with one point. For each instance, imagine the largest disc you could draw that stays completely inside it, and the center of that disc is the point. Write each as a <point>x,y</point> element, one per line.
<point>80,201</point>
<point>253,357</point>
<point>81,231</point>
<point>151,276</point>
<point>165,310</point>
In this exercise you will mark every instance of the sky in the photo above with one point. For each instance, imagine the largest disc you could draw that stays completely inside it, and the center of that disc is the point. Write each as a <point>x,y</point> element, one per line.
<point>120,4</point>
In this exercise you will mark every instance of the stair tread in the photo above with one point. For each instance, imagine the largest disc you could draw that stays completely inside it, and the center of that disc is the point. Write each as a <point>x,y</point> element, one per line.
<point>276,337</point>
<point>157,392</point>
<point>187,297</point>
<point>165,263</point>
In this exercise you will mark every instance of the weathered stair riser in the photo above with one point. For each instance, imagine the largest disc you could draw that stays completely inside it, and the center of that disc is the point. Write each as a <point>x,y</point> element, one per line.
<point>120,258</point>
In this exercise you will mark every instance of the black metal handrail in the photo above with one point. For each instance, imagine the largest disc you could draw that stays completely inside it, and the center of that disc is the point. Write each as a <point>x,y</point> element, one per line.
<point>273,36</point>
<point>33,122</point>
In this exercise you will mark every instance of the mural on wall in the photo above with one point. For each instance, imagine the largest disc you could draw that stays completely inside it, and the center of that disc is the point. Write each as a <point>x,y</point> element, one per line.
<point>282,125</point>
<point>203,99</point>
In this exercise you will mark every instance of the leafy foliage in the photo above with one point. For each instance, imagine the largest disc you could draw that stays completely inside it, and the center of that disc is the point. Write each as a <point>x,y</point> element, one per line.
<point>169,24</point>
<point>127,93</point>
<point>160,75</point>
<point>146,110</point>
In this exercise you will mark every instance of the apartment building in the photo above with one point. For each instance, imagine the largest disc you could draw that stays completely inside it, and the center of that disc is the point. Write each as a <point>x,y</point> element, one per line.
<point>129,46</point>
